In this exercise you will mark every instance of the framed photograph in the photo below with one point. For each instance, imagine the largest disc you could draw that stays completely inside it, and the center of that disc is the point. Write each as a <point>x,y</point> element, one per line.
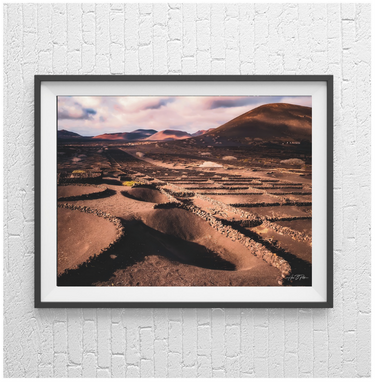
<point>184,191</point>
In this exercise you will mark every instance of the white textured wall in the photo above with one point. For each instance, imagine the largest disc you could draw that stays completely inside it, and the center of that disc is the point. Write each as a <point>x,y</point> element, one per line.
<point>190,39</point>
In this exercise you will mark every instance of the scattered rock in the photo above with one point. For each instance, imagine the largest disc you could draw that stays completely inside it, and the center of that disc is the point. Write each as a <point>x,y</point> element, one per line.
<point>210,164</point>
<point>292,162</point>
<point>229,158</point>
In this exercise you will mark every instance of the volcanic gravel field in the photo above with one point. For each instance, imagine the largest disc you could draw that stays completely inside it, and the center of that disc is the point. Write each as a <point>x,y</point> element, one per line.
<point>154,215</point>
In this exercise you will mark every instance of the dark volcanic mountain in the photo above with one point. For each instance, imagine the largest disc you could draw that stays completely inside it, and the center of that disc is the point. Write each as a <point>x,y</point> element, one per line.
<point>64,134</point>
<point>279,121</point>
<point>169,135</point>
<point>139,134</point>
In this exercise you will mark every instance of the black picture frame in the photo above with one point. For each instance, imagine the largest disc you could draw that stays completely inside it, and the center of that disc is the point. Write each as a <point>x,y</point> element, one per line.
<point>39,80</point>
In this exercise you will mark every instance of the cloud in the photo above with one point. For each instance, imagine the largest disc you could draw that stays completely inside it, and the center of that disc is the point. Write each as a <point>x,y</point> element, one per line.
<point>89,111</point>
<point>305,101</point>
<point>74,111</point>
<point>230,102</point>
<point>161,103</point>
<point>135,104</point>
<point>91,101</point>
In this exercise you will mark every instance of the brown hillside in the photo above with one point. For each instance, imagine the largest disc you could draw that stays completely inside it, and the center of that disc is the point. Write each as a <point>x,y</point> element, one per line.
<point>169,135</point>
<point>279,121</point>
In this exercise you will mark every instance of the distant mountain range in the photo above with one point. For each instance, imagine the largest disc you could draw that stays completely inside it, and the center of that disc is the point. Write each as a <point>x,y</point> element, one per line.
<point>269,122</point>
<point>63,134</point>
<point>139,134</point>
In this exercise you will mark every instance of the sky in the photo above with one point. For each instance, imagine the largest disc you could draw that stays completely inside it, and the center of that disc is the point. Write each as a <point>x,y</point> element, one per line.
<point>95,115</point>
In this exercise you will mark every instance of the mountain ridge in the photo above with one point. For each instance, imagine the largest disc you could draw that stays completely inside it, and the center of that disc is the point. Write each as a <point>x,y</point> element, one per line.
<point>138,134</point>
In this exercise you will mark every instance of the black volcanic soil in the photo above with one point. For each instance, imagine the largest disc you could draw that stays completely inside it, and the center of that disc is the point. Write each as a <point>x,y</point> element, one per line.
<point>189,251</point>
<point>146,194</point>
<point>303,226</point>
<point>280,212</point>
<point>74,190</point>
<point>245,199</point>
<point>303,250</point>
<point>160,271</point>
<point>80,235</point>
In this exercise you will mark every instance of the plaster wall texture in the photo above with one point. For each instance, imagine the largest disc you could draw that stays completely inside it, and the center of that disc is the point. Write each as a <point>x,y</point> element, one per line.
<point>190,39</point>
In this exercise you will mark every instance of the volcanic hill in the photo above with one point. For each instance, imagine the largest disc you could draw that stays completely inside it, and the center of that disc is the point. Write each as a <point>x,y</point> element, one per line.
<point>169,135</point>
<point>64,134</point>
<point>278,121</point>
